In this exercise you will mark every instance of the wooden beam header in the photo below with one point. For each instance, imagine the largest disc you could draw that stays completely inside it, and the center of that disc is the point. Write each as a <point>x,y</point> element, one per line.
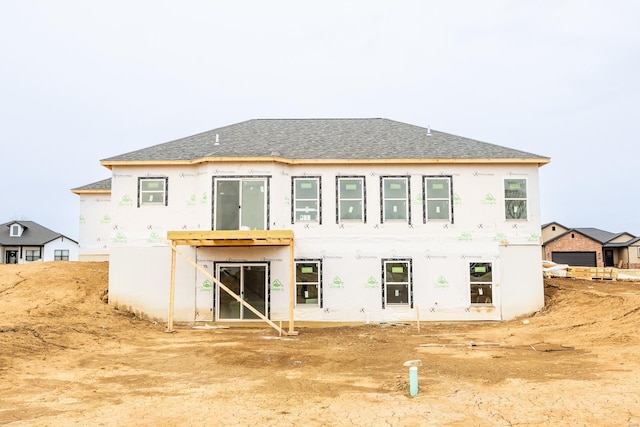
<point>232,238</point>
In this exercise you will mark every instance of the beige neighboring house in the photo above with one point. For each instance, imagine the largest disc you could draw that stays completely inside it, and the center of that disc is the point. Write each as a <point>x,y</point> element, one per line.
<point>626,254</point>
<point>324,220</point>
<point>95,220</point>
<point>589,247</point>
<point>22,242</point>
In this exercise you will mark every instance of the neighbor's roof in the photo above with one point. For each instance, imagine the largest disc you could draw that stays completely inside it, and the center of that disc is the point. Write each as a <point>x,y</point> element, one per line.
<point>596,234</point>
<point>33,235</point>
<point>324,141</point>
<point>553,223</point>
<point>629,242</point>
<point>95,187</point>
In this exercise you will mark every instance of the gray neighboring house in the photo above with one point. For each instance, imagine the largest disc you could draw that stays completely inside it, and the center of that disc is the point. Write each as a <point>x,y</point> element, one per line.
<point>22,242</point>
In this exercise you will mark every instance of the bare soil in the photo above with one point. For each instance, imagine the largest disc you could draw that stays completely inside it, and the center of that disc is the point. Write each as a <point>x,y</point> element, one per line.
<point>67,358</point>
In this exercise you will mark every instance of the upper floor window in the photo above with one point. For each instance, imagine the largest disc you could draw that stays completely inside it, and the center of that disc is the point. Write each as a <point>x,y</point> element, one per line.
<point>152,191</point>
<point>240,203</point>
<point>306,205</point>
<point>515,198</point>
<point>395,198</point>
<point>481,282</point>
<point>437,196</point>
<point>396,282</point>
<point>61,255</point>
<point>351,199</point>
<point>14,231</point>
<point>309,283</point>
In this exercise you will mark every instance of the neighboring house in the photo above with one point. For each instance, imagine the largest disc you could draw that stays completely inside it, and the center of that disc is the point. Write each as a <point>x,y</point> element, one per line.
<point>95,220</point>
<point>358,219</point>
<point>589,247</point>
<point>625,255</point>
<point>26,241</point>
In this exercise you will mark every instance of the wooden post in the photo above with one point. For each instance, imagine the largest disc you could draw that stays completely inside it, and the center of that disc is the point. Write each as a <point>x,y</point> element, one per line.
<point>172,288</point>
<point>292,286</point>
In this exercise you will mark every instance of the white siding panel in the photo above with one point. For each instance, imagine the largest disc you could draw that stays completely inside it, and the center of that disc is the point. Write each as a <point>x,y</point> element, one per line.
<point>521,283</point>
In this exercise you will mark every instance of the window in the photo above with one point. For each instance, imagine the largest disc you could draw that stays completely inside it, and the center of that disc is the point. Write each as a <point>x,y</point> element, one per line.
<point>32,254</point>
<point>14,230</point>
<point>306,200</point>
<point>309,283</point>
<point>61,255</point>
<point>481,283</point>
<point>396,283</point>
<point>395,198</point>
<point>152,191</point>
<point>351,199</point>
<point>515,198</point>
<point>438,194</point>
<point>240,203</point>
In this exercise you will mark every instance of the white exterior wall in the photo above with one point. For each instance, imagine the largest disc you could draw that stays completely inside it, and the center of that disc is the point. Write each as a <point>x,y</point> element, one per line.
<point>139,279</point>
<point>522,288</point>
<point>94,226</point>
<point>352,253</point>
<point>60,243</point>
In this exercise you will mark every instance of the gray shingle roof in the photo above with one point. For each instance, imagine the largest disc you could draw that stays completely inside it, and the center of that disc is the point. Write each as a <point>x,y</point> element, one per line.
<point>596,234</point>
<point>348,139</point>
<point>105,184</point>
<point>33,235</point>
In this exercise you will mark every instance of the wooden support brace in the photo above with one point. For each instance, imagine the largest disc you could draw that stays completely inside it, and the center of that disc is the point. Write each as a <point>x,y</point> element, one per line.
<point>222,286</point>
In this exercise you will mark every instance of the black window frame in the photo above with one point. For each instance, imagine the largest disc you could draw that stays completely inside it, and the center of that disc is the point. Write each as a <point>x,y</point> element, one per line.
<point>318,262</point>
<point>383,200</point>
<point>294,219</point>
<point>61,255</point>
<point>480,290</point>
<point>384,282</point>
<point>425,207</point>
<point>153,178</point>
<point>511,202</point>
<point>363,220</point>
<point>267,207</point>
<point>30,254</point>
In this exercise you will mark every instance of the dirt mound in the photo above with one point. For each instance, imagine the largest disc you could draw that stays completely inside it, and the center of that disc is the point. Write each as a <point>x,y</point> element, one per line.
<point>55,305</point>
<point>66,357</point>
<point>592,310</point>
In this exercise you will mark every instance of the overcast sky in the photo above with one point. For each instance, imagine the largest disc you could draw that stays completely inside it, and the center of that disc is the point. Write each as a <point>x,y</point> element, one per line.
<point>81,81</point>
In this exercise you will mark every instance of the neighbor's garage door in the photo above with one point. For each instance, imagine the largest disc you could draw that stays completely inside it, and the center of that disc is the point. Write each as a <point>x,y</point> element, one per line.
<point>582,259</point>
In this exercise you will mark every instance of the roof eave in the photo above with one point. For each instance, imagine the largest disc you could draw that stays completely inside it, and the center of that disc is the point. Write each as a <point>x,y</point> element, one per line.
<point>272,159</point>
<point>100,191</point>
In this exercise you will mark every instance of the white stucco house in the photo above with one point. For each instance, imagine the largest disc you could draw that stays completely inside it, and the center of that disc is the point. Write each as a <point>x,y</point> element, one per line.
<point>320,220</point>
<point>22,242</point>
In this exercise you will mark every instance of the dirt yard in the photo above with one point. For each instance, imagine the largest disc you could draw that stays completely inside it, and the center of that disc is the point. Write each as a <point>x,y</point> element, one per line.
<point>67,358</point>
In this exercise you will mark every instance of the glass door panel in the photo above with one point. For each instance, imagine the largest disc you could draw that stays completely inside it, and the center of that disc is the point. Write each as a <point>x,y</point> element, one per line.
<point>249,281</point>
<point>227,205</point>
<point>228,307</point>
<point>253,205</point>
<point>254,288</point>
